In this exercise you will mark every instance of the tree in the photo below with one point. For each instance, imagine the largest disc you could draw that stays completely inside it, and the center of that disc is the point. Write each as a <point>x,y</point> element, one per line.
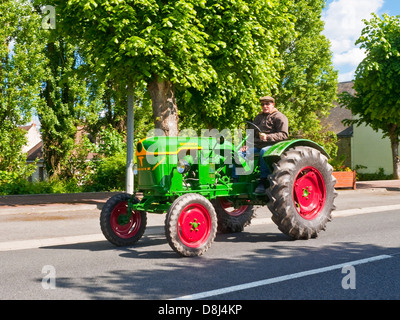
<point>66,106</point>
<point>246,37</point>
<point>21,70</point>
<point>308,83</point>
<point>132,41</point>
<point>110,112</point>
<point>164,44</point>
<point>178,44</point>
<point>376,102</point>
<point>298,65</point>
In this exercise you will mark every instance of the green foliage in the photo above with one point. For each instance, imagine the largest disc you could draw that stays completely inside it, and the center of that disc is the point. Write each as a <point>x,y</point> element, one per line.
<point>12,139</point>
<point>378,75</point>
<point>308,83</point>
<point>244,39</point>
<point>152,38</point>
<point>22,174</point>
<point>109,174</point>
<point>378,175</point>
<point>109,117</point>
<point>54,185</point>
<point>376,82</point>
<point>67,104</point>
<point>282,53</point>
<point>21,73</point>
<point>219,56</point>
<point>111,142</point>
<point>338,163</point>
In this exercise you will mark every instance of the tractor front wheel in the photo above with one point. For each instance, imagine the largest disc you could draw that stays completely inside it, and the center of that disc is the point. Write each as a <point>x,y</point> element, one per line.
<point>302,192</point>
<point>119,226</point>
<point>191,225</point>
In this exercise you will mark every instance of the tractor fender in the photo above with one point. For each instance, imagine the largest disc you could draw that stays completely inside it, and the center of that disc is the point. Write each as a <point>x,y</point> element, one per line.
<point>277,149</point>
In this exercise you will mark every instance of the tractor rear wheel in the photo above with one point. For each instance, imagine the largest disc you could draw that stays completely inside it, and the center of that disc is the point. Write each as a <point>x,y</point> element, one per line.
<point>302,192</point>
<point>232,219</point>
<point>119,227</point>
<point>191,225</point>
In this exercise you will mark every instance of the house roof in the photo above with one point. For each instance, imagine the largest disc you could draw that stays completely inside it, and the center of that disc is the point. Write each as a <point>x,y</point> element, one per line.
<point>36,152</point>
<point>334,121</point>
<point>348,132</point>
<point>28,126</point>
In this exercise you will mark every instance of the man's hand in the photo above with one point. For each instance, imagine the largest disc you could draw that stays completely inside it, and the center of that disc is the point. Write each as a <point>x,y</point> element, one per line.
<point>263,136</point>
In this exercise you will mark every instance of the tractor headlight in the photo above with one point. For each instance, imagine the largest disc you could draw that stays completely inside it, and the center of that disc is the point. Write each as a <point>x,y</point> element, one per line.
<point>183,166</point>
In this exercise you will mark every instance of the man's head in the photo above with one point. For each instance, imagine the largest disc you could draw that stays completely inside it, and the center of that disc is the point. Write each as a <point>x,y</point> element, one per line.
<point>267,104</point>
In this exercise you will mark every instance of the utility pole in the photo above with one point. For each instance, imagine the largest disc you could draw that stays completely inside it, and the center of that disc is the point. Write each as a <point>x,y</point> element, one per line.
<point>129,141</point>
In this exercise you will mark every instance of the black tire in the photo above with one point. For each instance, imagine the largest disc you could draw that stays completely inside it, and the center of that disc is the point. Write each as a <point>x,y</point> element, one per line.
<point>302,193</point>
<point>231,220</point>
<point>191,225</point>
<point>113,226</point>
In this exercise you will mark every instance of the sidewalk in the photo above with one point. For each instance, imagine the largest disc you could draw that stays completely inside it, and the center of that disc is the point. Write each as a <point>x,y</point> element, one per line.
<point>48,203</point>
<point>95,200</point>
<point>390,185</point>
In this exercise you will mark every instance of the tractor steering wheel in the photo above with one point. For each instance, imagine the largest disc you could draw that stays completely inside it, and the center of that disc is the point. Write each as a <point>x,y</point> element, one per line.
<point>251,125</point>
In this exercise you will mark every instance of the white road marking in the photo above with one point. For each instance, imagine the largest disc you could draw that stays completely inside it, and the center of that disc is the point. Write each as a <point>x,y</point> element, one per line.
<point>265,282</point>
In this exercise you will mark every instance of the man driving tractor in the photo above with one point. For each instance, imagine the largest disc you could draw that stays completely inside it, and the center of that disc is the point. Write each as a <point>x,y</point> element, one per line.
<point>274,128</point>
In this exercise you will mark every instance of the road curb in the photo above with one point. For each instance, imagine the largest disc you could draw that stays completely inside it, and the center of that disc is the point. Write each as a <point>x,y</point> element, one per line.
<point>50,208</point>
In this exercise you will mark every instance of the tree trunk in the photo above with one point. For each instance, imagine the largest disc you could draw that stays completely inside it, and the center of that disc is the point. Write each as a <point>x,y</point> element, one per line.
<point>165,110</point>
<point>394,142</point>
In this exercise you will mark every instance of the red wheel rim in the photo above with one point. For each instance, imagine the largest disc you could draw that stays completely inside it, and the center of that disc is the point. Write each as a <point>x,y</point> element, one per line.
<point>230,210</point>
<point>194,225</point>
<point>124,226</point>
<point>309,193</point>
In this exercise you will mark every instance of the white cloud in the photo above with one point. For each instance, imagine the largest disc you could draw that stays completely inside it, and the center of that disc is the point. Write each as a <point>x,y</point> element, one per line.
<point>343,26</point>
<point>346,76</point>
<point>351,57</point>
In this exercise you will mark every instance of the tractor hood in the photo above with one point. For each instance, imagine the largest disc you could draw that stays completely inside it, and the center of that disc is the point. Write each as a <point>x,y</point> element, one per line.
<point>158,157</point>
<point>175,145</point>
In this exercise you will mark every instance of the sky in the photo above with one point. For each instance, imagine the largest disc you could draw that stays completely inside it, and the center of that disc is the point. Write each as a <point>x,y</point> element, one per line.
<point>343,26</point>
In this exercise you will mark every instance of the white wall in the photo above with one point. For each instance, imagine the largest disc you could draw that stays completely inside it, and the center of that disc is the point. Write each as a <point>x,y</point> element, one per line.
<point>370,149</point>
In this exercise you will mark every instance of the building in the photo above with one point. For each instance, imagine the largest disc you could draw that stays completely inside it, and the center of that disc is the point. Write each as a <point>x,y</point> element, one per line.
<point>363,148</point>
<point>334,123</point>
<point>33,148</point>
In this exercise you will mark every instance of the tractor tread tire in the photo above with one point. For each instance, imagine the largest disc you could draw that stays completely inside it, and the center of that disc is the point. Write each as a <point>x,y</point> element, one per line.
<point>280,193</point>
<point>232,224</point>
<point>172,221</point>
<point>105,224</point>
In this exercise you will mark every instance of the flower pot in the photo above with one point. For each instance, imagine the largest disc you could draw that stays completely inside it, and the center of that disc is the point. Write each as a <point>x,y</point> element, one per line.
<point>345,179</point>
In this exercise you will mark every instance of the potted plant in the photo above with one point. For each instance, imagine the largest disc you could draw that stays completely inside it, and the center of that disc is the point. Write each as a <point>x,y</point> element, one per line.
<point>346,178</point>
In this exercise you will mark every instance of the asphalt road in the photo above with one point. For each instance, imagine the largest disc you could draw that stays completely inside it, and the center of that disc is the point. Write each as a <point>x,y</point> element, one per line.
<point>62,255</point>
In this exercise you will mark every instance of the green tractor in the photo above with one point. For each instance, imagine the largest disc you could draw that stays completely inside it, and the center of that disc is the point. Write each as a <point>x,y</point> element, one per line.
<point>205,185</point>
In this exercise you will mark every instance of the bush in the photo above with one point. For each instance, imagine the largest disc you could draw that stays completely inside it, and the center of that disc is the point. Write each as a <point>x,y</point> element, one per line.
<point>378,175</point>
<point>23,186</point>
<point>109,174</point>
